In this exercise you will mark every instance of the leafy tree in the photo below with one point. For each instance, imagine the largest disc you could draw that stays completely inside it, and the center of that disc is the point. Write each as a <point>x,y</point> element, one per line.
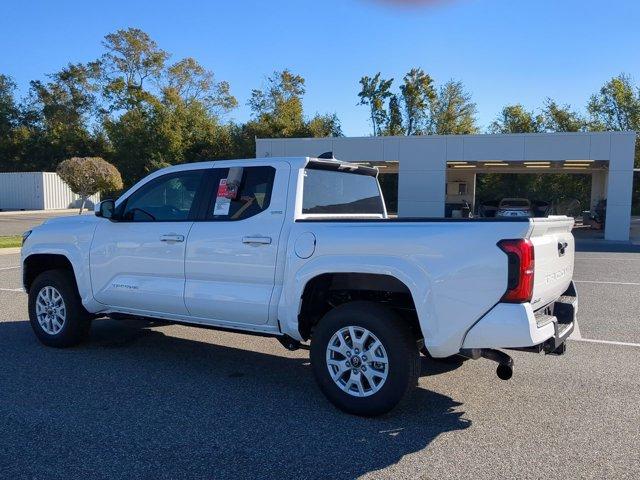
<point>561,118</point>
<point>9,122</point>
<point>452,111</point>
<point>394,122</point>
<point>515,119</point>
<point>9,112</point>
<point>278,107</point>
<point>324,125</point>
<point>374,93</point>
<point>277,112</point>
<point>89,175</point>
<point>132,61</point>
<point>417,94</point>
<point>57,117</point>
<point>617,107</point>
<point>190,82</point>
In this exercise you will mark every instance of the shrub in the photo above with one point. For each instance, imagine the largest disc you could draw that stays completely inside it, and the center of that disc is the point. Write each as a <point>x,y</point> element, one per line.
<point>87,176</point>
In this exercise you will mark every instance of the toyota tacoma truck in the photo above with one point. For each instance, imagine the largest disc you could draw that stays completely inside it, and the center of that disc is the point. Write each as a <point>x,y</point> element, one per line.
<point>302,249</point>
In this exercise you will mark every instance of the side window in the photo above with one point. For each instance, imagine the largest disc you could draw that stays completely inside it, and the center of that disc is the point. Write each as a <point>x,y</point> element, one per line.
<point>241,193</point>
<point>166,199</point>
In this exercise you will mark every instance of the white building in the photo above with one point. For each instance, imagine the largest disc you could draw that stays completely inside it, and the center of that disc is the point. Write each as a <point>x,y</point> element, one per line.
<point>38,191</point>
<point>432,168</point>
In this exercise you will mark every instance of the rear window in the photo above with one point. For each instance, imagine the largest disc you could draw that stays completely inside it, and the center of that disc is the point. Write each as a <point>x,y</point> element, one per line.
<point>327,191</point>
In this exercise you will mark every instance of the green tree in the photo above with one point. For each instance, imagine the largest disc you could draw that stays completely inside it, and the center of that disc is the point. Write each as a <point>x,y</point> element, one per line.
<point>278,112</point>
<point>324,125</point>
<point>617,107</point>
<point>515,119</point>
<point>88,176</point>
<point>417,94</point>
<point>130,65</point>
<point>394,124</point>
<point>57,118</point>
<point>452,112</point>
<point>189,82</point>
<point>10,140</point>
<point>561,118</point>
<point>374,93</point>
<point>278,107</point>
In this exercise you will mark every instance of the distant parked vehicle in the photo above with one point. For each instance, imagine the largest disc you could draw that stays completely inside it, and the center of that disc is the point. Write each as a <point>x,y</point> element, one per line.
<point>488,209</point>
<point>541,208</point>
<point>514,207</point>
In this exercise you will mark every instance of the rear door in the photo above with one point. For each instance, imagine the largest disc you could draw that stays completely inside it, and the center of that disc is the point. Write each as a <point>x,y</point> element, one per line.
<point>554,250</point>
<point>231,255</point>
<point>137,262</point>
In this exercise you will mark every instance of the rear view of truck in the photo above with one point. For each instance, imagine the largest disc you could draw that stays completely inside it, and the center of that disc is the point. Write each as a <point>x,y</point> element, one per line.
<point>537,311</point>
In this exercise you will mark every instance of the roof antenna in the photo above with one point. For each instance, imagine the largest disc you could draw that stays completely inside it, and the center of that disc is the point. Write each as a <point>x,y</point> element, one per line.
<point>327,155</point>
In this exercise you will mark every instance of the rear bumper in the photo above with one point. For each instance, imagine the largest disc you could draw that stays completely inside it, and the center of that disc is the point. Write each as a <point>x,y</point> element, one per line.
<point>516,325</point>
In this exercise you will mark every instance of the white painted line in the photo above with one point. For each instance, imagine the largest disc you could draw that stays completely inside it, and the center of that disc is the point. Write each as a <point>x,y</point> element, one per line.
<point>606,283</point>
<point>606,342</point>
<point>11,290</point>
<point>9,268</point>
<point>621,259</point>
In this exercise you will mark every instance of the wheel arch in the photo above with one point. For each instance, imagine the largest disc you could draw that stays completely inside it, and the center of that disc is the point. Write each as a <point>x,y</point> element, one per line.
<point>327,290</point>
<point>37,263</point>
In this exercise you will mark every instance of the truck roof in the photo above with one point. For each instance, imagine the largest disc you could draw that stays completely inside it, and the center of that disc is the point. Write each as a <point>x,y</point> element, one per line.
<point>294,162</point>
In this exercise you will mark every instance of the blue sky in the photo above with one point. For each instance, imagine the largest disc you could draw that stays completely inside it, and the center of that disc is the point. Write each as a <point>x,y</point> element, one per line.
<point>504,51</point>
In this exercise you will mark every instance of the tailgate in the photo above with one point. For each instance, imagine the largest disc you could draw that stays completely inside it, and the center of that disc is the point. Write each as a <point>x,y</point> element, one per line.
<point>554,251</point>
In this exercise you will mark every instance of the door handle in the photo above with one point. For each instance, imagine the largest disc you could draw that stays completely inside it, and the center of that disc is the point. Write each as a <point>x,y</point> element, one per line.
<point>257,240</point>
<point>172,237</point>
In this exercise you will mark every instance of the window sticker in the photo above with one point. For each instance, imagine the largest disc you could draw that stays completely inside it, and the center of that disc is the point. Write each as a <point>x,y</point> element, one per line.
<point>223,200</point>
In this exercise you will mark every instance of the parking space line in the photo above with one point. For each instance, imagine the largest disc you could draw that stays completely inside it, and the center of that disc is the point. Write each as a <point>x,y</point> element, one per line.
<point>606,283</point>
<point>606,342</point>
<point>9,268</point>
<point>11,290</point>
<point>609,258</point>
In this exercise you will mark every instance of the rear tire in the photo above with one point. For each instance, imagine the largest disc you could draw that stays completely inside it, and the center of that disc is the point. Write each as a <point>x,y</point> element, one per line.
<point>56,313</point>
<point>367,378</point>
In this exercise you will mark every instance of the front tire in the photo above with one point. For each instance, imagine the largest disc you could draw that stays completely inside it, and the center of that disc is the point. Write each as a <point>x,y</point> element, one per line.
<point>56,314</point>
<point>365,358</point>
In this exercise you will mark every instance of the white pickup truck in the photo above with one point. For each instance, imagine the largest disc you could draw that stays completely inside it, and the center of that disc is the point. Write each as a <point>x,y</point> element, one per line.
<point>301,249</point>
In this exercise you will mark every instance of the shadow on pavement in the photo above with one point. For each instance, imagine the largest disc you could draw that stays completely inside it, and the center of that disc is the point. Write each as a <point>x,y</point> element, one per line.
<point>588,240</point>
<point>136,403</point>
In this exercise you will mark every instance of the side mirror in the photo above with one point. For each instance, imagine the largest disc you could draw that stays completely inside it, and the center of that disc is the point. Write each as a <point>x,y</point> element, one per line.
<point>105,209</point>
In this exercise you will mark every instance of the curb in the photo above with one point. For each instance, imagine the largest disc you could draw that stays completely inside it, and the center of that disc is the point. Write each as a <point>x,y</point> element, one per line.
<point>38,212</point>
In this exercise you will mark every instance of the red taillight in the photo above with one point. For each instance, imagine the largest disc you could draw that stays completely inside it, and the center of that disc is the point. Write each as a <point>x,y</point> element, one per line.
<point>520,273</point>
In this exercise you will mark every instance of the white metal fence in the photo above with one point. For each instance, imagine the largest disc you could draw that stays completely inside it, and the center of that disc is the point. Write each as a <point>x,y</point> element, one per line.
<point>37,191</point>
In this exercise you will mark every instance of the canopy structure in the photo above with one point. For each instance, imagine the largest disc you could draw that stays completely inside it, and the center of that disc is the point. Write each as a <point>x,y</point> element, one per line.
<point>430,167</point>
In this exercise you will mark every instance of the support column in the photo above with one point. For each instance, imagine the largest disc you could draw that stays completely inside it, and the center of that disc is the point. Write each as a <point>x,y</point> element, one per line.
<point>619,186</point>
<point>422,177</point>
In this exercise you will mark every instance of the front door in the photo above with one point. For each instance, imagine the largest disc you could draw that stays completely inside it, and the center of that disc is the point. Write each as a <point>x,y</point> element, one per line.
<point>137,261</point>
<point>231,254</point>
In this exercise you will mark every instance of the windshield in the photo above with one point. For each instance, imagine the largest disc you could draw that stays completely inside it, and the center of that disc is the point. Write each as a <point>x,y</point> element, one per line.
<point>514,203</point>
<point>331,192</point>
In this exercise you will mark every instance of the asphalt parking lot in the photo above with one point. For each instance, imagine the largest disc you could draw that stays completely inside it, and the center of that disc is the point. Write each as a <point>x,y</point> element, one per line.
<point>178,402</point>
<point>15,223</point>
